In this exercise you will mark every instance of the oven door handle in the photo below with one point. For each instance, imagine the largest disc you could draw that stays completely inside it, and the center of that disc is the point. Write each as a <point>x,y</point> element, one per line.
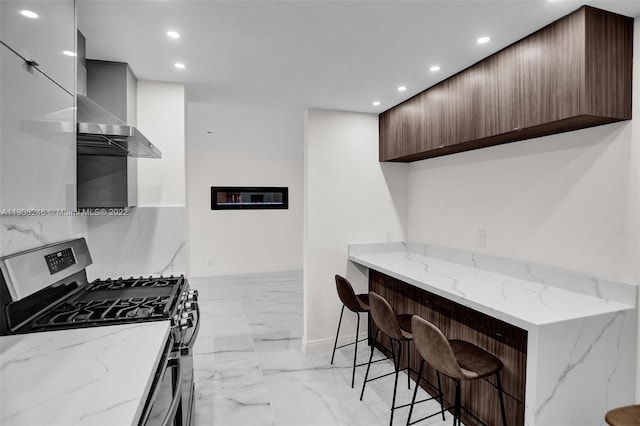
<point>177,392</point>
<point>197,328</point>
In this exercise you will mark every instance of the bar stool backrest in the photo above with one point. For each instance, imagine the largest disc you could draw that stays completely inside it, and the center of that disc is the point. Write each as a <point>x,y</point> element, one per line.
<point>434,347</point>
<point>384,316</point>
<point>346,294</point>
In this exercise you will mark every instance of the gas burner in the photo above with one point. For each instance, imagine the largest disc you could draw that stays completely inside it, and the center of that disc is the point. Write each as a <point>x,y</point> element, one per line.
<point>140,282</point>
<point>81,313</point>
<point>141,308</point>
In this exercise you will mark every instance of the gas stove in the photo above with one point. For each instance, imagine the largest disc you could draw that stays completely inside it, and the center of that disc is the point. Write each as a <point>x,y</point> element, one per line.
<point>47,289</point>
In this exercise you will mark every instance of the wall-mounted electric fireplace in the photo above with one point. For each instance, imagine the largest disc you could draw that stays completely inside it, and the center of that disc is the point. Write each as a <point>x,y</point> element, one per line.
<point>249,197</point>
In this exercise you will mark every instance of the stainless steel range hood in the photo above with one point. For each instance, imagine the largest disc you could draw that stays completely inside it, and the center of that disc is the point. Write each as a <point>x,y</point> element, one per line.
<point>109,145</point>
<point>102,133</point>
<point>106,109</point>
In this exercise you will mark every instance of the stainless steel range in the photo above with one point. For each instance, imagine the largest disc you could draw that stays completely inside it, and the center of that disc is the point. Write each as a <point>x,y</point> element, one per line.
<point>47,289</point>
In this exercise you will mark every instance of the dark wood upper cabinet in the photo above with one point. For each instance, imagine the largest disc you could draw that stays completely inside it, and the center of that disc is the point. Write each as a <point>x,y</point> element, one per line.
<point>572,74</point>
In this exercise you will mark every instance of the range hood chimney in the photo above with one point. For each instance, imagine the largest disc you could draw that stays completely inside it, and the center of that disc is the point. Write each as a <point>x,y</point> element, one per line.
<point>108,142</point>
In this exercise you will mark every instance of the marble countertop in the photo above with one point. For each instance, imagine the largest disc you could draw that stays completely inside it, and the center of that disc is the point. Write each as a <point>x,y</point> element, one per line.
<point>526,303</point>
<point>96,376</point>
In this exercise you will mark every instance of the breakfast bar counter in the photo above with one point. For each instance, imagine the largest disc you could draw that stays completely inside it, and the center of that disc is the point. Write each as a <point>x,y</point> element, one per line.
<point>574,337</point>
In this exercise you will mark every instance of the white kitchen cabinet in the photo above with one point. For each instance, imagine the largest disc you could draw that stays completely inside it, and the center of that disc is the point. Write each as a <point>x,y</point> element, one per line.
<point>37,139</point>
<point>43,39</point>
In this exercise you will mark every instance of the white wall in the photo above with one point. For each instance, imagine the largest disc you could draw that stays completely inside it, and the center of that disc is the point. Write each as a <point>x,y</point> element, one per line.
<point>161,118</point>
<point>245,147</point>
<point>568,200</point>
<point>349,197</point>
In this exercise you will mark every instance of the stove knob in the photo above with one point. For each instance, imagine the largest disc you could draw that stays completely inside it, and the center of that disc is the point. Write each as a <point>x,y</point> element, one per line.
<point>192,295</point>
<point>189,306</point>
<point>186,322</point>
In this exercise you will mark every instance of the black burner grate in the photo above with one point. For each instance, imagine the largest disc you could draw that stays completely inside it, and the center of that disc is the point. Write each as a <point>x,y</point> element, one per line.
<point>141,282</point>
<point>105,311</point>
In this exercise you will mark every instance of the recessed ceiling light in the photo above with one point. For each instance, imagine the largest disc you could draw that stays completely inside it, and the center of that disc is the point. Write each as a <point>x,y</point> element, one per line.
<point>68,53</point>
<point>376,103</point>
<point>29,14</point>
<point>483,40</point>
<point>173,34</point>
<point>434,68</point>
<point>402,88</point>
<point>179,65</point>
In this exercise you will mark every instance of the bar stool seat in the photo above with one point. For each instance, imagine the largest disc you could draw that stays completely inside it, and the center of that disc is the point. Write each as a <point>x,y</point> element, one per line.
<point>624,416</point>
<point>457,359</point>
<point>357,303</point>
<point>475,362</point>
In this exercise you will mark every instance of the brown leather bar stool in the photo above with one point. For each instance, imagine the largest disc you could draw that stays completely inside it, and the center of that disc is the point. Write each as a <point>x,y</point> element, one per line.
<point>398,328</point>
<point>358,303</point>
<point>624,416</point>
<point>457,359</point>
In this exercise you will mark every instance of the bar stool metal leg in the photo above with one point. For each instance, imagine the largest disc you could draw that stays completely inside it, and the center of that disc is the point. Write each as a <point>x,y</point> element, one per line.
<point>396,364</point>
<point>504,416</point>
<point>355,353</point>
<point>366,375</point>
<point>335,344</point>
<point>441,394</point>
<point>355,342</point>
<point>408,364</point>
<point>456,410</point>
<point>415,393</point>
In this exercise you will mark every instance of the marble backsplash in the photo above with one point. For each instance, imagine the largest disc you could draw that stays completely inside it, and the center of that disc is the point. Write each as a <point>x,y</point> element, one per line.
<point>571,281</point>
<point>146,241</point>
<point>18,233</point>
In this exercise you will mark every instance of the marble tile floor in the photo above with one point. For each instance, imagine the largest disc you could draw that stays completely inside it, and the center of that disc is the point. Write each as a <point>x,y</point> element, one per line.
<point>250,369</point>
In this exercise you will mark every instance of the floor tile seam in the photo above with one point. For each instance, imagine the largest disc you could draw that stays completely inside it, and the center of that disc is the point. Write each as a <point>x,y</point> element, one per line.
<point>264,381</point>
<point>214,353</point>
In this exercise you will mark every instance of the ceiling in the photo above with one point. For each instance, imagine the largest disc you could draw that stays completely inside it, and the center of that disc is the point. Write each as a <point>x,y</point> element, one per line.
<point>330,54</point>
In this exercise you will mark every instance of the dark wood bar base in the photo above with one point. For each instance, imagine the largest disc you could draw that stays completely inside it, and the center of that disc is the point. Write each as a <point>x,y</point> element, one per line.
<point>506,341</point>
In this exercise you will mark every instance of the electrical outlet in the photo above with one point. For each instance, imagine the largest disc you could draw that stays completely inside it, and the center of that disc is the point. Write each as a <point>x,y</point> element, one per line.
<point>388,235</point>
<point>482,238</point>
<point>210,262</point>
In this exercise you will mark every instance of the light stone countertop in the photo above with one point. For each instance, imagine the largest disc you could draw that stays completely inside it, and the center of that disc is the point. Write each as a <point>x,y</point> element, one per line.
<point>86,376</point>
<point>525,302</point>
